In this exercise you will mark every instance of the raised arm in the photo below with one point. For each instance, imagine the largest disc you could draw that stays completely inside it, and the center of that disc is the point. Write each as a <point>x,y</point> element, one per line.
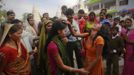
<point>55,54</point>
<point>74,33</point>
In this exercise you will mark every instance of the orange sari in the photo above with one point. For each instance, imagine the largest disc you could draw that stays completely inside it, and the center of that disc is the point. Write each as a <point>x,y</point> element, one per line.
<point>90,56</point>
<point>14,64</point>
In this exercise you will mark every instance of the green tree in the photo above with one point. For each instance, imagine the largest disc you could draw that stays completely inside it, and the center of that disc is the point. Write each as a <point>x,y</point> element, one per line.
<point>2,11</point>
<point>2,15</point>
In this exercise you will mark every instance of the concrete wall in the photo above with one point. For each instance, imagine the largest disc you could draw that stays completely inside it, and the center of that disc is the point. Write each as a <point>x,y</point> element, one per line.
<point>129,6</point>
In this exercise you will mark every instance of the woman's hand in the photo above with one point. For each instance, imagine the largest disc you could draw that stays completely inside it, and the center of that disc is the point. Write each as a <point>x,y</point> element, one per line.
<point>81,71</point>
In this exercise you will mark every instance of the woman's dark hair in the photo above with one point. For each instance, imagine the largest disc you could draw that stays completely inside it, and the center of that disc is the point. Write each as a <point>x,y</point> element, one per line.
<point>15,28</point>
<point>103,32</point>
<point>58,25</point>
<point>12,30</point>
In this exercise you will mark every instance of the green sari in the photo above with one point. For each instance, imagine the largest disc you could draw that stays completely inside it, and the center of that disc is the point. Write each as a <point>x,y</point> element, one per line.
<point>42,56</point>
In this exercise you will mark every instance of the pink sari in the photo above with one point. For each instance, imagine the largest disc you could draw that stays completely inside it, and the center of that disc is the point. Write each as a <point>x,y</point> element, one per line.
<point>129,56</point>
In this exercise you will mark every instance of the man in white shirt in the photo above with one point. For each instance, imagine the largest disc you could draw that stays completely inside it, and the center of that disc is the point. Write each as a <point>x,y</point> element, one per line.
<point>73,42</point>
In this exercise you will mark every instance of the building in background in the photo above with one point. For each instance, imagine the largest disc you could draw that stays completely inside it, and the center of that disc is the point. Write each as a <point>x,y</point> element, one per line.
<point>113,6</point>
<point>80,5</point>
<point>35,12</point>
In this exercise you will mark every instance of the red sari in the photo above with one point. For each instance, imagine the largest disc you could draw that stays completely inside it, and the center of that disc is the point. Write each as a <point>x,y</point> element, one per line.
<point>14,64</point>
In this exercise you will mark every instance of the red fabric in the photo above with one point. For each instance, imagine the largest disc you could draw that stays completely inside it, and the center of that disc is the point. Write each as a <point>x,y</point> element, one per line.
<point>52,51</point>
<point>11,53</point>
<point>82,23</point>
<point>9,61</point>
<point>24,51</point>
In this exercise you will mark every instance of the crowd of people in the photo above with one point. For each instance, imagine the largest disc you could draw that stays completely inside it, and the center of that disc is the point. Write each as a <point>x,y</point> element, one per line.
<point>51,46</point>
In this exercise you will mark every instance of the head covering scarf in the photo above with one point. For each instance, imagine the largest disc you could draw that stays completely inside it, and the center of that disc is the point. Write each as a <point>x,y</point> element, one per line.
<point>42,41</point>
<point>131,27</point>
<point>5,31</point>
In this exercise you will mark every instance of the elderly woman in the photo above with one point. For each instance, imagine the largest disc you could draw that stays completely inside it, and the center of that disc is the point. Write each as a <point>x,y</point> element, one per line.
<point>14,56</point>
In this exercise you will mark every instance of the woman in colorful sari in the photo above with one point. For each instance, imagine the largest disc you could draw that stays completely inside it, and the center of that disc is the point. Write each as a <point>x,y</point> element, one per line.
<point>93,46</point>
<point>58,61</point>
<point>92,20</point>
<point>14,56</point>
<point>47,25</point>
<point>129,42</point>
